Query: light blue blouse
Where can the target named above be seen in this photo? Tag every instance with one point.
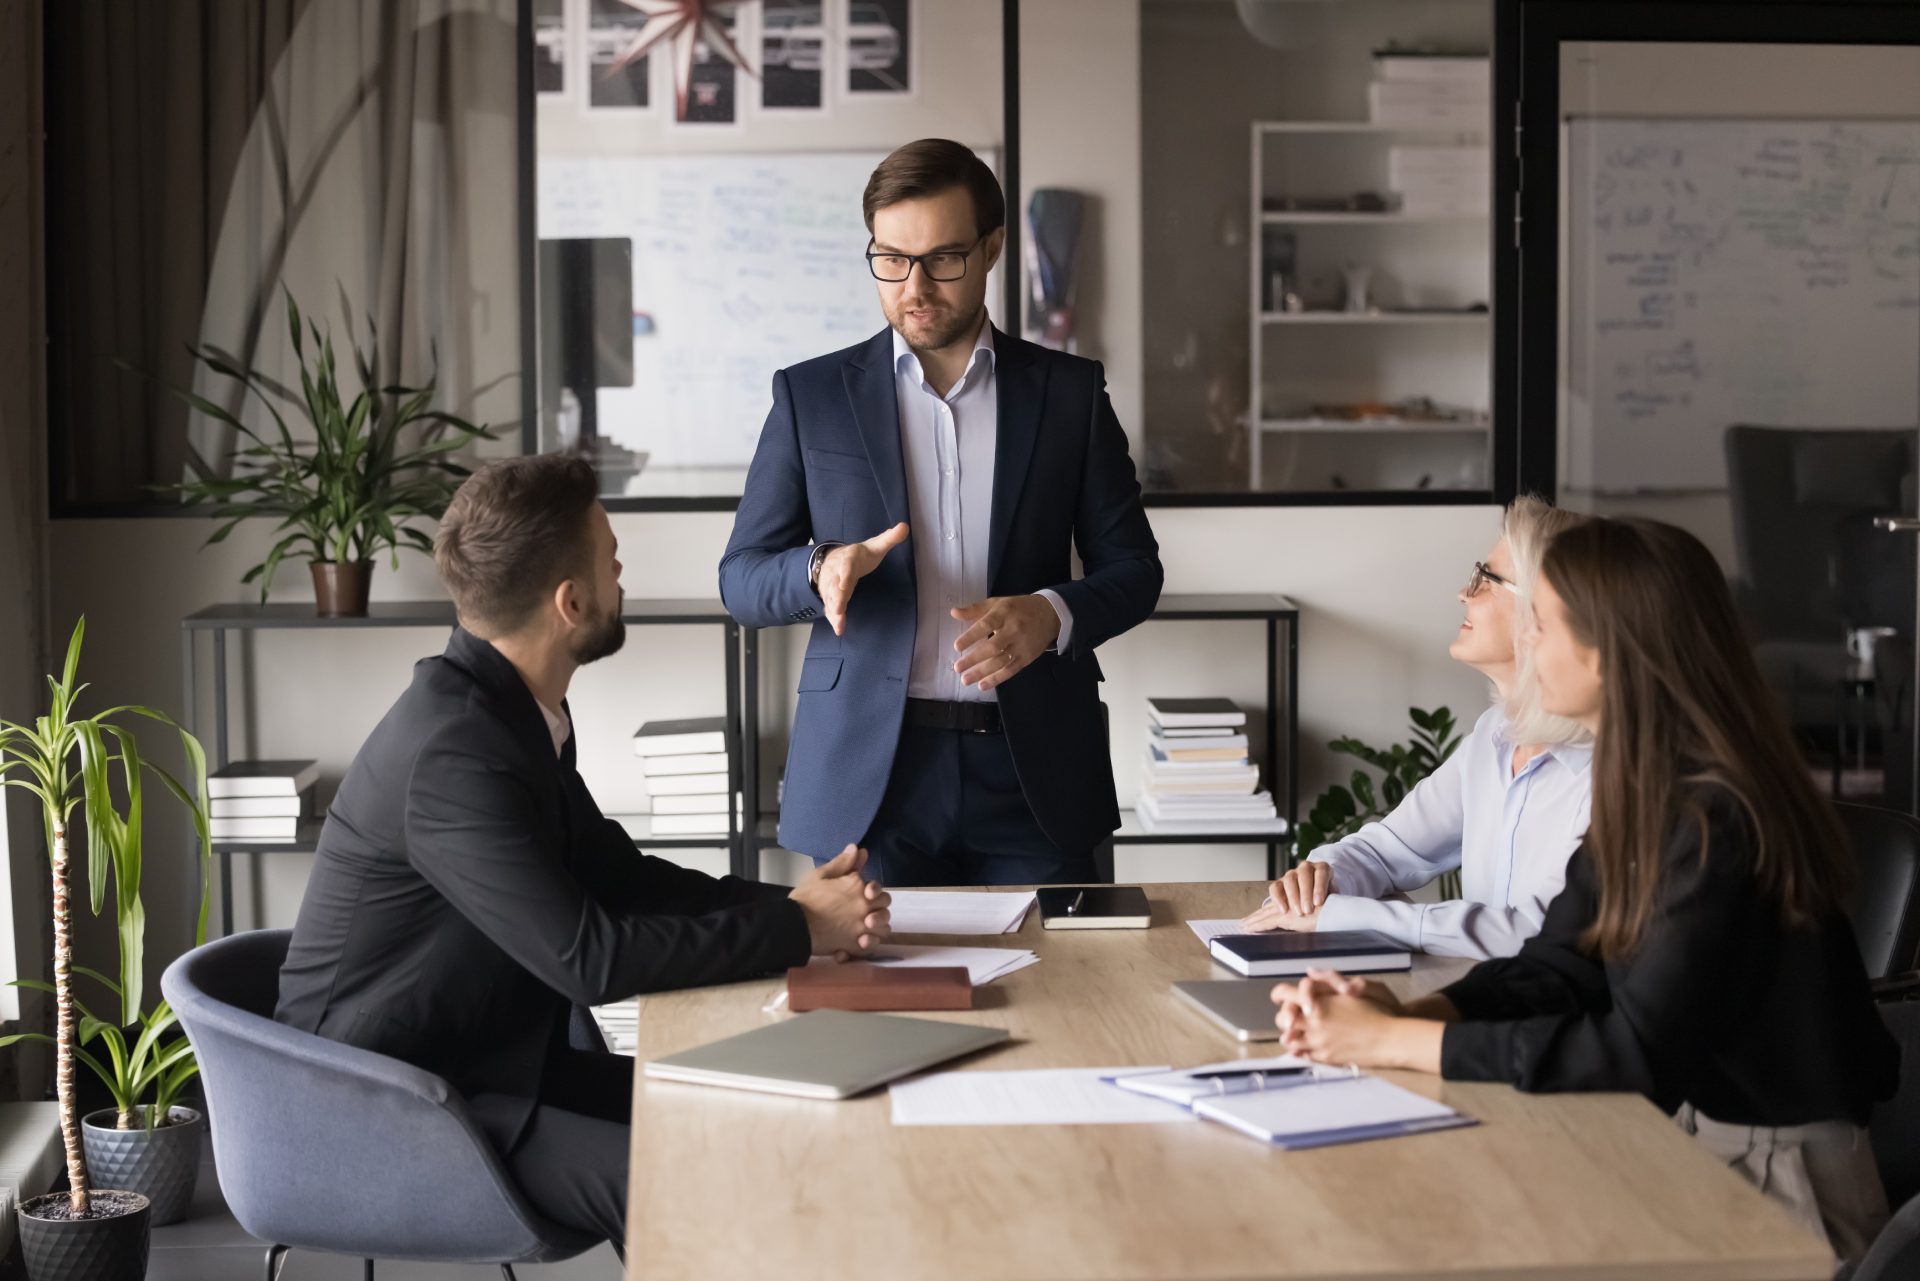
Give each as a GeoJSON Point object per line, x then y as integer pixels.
{"type": "Point", "coordinates": [1509, 836]}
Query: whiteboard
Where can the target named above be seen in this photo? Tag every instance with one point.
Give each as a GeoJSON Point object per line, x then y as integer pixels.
{"type": "Point", "coordinates": [742, 264]}
{"type": "Point", "coordinates": [1733, 271]}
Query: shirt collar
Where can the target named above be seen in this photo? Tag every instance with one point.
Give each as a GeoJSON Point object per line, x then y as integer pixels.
{"type": "Point", "coordinates": [906, 362]}
{"type": "Point", "coordinates": [1577, 757]}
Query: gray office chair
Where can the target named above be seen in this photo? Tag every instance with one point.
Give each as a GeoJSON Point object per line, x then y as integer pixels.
{"type": "Point", "coordinates": [322, 1146]}
{"type": "Point", "coordinates": [1885, 911]}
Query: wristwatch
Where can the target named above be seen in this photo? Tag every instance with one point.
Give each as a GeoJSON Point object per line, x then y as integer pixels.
{"type": "Point", "coordinates": [814, 562]}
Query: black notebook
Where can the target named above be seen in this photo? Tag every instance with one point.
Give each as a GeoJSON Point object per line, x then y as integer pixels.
{"type": "Point", "coordinates": [1281, 954]}
{"type": "Point", "coordinates": [1093, 907]}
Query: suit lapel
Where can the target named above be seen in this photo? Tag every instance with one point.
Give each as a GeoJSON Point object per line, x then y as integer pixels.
{"type": "Point", "coordinates": [869, 380]}
{"type": "Point", "coordinates": [1020, 382]}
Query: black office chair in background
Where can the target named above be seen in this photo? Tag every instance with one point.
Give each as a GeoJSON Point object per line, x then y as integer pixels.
{"type": "Point", "coordinates": [1895, 1132]}
{"type": "Point", "coordinates": [1885, 911]}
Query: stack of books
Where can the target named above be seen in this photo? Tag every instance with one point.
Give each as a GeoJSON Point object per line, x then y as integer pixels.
{"type": "Point", "coordinates": [263, 802]}
{"type": "Point", "coordinates": [686, 766]}
{"type": "Point", "coordinates": [1426, 91]}
{"type": "Point", "coordinates": [1197, 776]}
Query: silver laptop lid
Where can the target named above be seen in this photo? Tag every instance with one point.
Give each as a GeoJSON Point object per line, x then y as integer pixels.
{"type": "Point", "coordinates": [1242, 1007]}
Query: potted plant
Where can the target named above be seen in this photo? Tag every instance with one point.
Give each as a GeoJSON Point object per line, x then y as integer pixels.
{"type": "Point", "coordinates": [84, 1234]}
{"type": "Point", "coordinates": [1340, 811]}
{"type": "Point", "coordinates": [370, 466]}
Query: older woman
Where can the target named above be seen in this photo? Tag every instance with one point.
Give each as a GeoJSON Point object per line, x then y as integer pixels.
{"type": "Point", "coordinates": [1507, 808]}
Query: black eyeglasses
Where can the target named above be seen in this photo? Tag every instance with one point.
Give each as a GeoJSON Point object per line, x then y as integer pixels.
{"type": "Point", "coordinates": [942, 265]}
{"type": "Point", "coordinates": [1482, 576]}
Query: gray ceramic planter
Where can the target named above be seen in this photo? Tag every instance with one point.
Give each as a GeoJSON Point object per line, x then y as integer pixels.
{"type": "Point", "coordinates": [161, 1164]}
{"type": "Point", "coordinates": [112, 1247]}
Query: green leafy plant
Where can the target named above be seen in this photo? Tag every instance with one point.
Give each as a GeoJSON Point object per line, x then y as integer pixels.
{"type": "Point", "coordinates": [65, 762]}
{"type": "Point", "coordinates": [372, 464]}
{"type": "Point", "coordinates": [1340, 811]}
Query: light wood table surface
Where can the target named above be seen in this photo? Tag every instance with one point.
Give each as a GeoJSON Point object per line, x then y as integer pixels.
{"type": "Point", "coordinates": [727, 1183]}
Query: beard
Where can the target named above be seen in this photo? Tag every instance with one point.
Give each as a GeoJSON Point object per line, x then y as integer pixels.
{"type": "Point", "coordinates": [602, 640]}
{"type": "Point", "coordinates": [944, 330]}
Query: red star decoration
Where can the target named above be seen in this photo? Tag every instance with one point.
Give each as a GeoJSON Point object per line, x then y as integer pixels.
{"type": "Point", "coordinates": [682, 22]}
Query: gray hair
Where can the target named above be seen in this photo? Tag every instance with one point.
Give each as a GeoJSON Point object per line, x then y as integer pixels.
{"type": "Point", "coordinates": [1528, 526]}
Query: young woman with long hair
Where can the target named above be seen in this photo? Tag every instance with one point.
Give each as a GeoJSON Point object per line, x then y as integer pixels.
{"type": "Point", "coordinates": [1700, 953]}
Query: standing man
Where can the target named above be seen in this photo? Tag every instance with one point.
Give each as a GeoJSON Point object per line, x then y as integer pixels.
{"type": "Point", "coordinates": [915, 500]}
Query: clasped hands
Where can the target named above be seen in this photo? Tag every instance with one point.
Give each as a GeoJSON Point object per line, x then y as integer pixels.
{"type": "Point", "coordinates": [1331, 1017]}
{"type": "Point", "coordinates": [1007, 632]}
{"type": "Point", "coordinates": [847, 916]}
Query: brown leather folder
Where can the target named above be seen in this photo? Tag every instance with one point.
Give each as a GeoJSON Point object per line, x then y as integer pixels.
{"type": "Point", "coordinates": [862, 985]}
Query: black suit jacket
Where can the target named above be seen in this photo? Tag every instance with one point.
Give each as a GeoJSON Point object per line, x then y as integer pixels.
{"type": "Point", "coordinates": [467, 892]}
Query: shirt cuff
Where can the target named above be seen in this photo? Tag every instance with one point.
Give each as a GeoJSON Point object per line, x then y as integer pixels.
{"type": "Point", "coordinates": [1348, 912]}
{"type": "Point", "coordinates": [1065, 616]}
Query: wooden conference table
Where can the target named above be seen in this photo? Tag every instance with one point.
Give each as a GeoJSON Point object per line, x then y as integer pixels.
{"type": "Point", "coordinates": [731, 1184]}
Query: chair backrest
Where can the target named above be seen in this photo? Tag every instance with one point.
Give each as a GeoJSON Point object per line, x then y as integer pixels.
{"type": "Point", "coordinates": [1895, 1125]}
{"type": "Point", "coordinates": [321, 1145]}
{"type": "Point", "coordinates": [1885, 911]}
{"type": "Point", "coordinates": [1791, 491]}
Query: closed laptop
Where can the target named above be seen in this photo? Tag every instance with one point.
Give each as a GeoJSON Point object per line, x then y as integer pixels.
{"type": "Point", "coordinates": [828, 1054]}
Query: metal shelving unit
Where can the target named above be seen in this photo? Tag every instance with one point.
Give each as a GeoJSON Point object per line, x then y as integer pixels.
{"type": "Point", "coordinates": [219, 621]}
{"type": "Point", "coordinates": [1281, 763]}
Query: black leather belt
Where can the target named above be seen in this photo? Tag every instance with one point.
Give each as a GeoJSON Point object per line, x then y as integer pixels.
{"type": "Point", "coordinates": [969, 718]}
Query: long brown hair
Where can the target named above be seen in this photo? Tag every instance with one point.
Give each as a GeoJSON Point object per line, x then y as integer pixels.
{"type": "Point", "coordinates": [1682, 702]}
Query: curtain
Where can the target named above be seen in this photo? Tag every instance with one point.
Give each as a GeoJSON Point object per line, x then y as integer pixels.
{"type": "Point", "coordinates": [377, 185]}
{"type": "Point", "coordinates": [147, 104]}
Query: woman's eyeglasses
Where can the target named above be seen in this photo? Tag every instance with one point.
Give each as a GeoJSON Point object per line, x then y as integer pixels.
{"type": "Point", "coordinates": [1482, 576]}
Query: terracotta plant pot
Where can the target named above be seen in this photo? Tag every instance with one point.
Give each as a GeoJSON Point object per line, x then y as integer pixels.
{"type": "Point", "coordinates": [340, 587]}
{"type": "Point", "coordinates": [109, 1245]}
{"type": "Point", "coordinates": [161, 1164]}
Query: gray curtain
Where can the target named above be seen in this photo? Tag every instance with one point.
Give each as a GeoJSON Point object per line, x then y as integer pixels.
{"type": "Point", "coordinates": [23, 876]}
{"type": "Point", "coordinates": [377, 181]}
{"type": "Point", "coordinates": [147, 104]}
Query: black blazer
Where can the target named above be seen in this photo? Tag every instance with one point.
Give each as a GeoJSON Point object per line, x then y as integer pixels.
{"type": "Point", "coordinates": [829, 467]}
{"type": "Point", "coordinates": [1722, 1006]}
{"type": "Point", "coordinates": [467, 893]}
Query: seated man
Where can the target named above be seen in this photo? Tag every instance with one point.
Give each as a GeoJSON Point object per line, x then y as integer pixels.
{"type": "Point", "coordinates": [467, 892]}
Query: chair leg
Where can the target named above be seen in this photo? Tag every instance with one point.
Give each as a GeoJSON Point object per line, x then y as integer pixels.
{"type": "Point", "coordinates": [276, 1259]}
{"type": "Point", "coordinates": [506, 1270]}
{"type": "Point", "coordinates": [368, 1273]}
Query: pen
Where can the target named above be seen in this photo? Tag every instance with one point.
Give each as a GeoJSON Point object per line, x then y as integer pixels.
{"type": "Point", "coordinates": [1075, 905]}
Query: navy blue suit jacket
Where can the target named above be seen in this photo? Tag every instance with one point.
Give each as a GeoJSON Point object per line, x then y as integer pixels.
{"type": "Point", "coordinates": [829, 468]}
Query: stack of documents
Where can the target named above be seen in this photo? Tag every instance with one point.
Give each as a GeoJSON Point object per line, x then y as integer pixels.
{"type": "Point", "coordinates": [958, 912]}
{"type": "Point", "coordinates": [620, 1024]}
{"type": "Point", "coordinates": [1411, 90]}
{"type": "Point", "coordinates": [1445, 181]}
{"type": "Point", "coordinates": [1294, 1104]}
{"type": "Point", "coordinates": [1197, 776]}
{"type": "Point", "coordinates": [982, 964]}
{"type": "Point", "coordinates": [1047, 1096]}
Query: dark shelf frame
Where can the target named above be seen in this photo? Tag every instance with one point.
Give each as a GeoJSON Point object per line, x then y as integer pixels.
{"type": "Point", "coordinates": [1281, 665]}
{"type": "Point", "coordinates": [218, 621]}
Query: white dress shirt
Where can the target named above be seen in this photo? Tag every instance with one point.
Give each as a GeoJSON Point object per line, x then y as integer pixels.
{"type": "Point", "coordinates": [559, 726]}
{"type": "Point", "coordinates": [1509, 836]}
{"type": "Point", "coordinates": [948, 443]}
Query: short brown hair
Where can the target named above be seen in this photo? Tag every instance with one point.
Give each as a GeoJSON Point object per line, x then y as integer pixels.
{"type": "Point", "coordinates": [515, 530]}
{"type": "Point", "coordinates": [929, 167]}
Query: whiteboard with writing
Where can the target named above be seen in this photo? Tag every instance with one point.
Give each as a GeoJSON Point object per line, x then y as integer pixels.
{"type": "Point", "coordinates": [742, 264]}
{"type": "Point", "coordinates": [1733, 271]}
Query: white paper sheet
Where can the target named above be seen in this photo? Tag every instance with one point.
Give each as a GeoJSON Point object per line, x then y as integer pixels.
{"type": "Point", "coordinates": [951, 912]}
{"type": "Point", "coordinates": [1053, 1096]}
{"type": "Point", "coordinates": [983, 964]}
